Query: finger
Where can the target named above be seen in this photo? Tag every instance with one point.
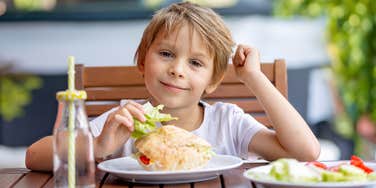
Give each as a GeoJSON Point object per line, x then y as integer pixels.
{"type": "Point", "coordinates": [125, 112]}
{"type": "Point", "coordinates": [112, 122]}
{"type": "Point", "coordinates": [137, 105]}
{"type": "Point", "coordinates": [124, 121]}
{"type": "Point", "coordinates": [239, 56]}
{"type": "Point", "coordinates": [136, 112]}
{"type": "Point", "coordinates": [247, 51]}
{"type": "Point", "coordinates": [240, 52]}
{"type": "Point", "coordinates": [236, 58]}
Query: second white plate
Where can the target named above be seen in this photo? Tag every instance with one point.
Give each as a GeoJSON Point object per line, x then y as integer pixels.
{"type": "Point", "coordinates": [265, 183]}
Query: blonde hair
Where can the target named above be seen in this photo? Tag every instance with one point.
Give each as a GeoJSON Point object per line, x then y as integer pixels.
{"type": "Point", "coordinates": [205, 21]}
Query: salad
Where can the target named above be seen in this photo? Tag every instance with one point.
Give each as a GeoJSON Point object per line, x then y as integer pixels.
{"type": "Point", "coordinates": [292, 171]}
{"type": "Point", "coordinates": [153, 116]}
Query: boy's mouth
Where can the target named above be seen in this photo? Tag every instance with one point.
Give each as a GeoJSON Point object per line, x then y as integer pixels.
{"type": "Point", "coordinates": [172, 86]}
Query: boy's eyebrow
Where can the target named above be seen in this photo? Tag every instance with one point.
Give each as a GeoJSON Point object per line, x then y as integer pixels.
{"type": "Point", "coordinates": [200, 55]}
{"type": "Point", "coordinates": [163, 43]}
{"type": "Point", "coordinates": [195, 54]}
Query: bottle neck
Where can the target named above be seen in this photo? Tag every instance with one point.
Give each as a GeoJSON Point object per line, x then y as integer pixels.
{"type": "Point", "coordinates": [68, 108]}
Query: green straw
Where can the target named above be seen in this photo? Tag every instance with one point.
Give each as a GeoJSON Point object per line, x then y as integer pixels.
{"type": "Point", "coordinates": [71, 144]}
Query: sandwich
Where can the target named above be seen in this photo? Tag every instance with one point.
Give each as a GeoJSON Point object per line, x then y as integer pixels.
{"type": "Point", "coordinates": [168, 148]}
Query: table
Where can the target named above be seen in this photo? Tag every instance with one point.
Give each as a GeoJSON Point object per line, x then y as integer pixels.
{"type": "Point", "coordinates": [21, 177]}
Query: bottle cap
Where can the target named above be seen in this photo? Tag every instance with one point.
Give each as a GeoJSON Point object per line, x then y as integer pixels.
{"type": "Point", "coordinates": [71, 95]}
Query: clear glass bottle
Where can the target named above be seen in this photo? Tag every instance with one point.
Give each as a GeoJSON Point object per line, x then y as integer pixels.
{"type": "Point", "coordinates": [84, 156]}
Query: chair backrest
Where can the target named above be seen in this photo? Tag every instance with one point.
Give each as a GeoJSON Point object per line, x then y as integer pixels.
{"type": "Point", "coordinates": [107, 85]}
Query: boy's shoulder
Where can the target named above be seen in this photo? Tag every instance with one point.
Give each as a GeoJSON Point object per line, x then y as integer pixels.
{"type": "Point", "coordinates": [223, 107]}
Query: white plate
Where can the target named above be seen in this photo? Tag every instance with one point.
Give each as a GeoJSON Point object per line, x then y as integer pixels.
{"type": "Point", "coordinates": [127, 168]}
{"type": "Point", "coordinates": [274, 183]}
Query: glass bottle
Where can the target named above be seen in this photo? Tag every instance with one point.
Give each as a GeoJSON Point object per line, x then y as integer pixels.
{"type": "Point", "coordinates": [84, 172]}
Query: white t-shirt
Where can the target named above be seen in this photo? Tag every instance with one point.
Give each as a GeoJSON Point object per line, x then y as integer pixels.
{"type": "Point", "coordinates": [225, 126]}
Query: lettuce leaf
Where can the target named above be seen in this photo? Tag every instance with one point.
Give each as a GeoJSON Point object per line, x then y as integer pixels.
{"type": "Point", "coordinates": [153, 116]}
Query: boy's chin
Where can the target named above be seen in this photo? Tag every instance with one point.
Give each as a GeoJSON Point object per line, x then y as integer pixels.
{"type": "Point", "coordinates": [168, 102]}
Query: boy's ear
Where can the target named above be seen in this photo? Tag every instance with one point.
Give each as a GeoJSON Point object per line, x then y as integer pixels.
{"type": "Point", "coordinates": [141, 67]}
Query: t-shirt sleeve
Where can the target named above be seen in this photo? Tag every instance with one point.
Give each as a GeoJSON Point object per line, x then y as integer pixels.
{"type": "Point", "coordinates": [96, 125]}
{"type": "Point", "coordinates": [246, 128]}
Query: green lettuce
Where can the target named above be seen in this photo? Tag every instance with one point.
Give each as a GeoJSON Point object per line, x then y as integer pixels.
{"type": "Point", "coordinates": [290, 170]}
{"type": "Point", "coordinates": [153, 116]}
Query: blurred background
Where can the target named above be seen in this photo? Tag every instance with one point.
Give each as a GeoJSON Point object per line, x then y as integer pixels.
{"type": "Point", "coordinates": [328, 46]}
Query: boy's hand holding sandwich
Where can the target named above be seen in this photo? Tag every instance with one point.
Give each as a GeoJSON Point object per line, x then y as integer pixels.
{"type": "Point", "coordinates": [117, 129]}
{"type": "Point", "coordinates": [164, 148]}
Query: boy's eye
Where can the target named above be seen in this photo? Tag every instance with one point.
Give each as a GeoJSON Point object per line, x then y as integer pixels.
{"type": "Point", "coordinates": [166, 54]}
{"type": "Point", "coordinates": [196, 63]}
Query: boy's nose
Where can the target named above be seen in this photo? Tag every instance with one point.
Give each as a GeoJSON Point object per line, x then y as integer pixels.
{"type": "Point", "coordinates": [176, 70]}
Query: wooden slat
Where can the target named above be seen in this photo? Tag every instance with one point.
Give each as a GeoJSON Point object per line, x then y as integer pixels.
{"type": "Point", "coordinates": [231, 91]}
{"type": "Point", "coordinates": [114, 182]}
{"type": "Point", "coordinates": [98, 177]}
{"type": "Point", "coordinates": [34, 179]}
{"type": "Point", "coordinates": [145, 186]}
{"type": "Point", "coordinates": [9, 180]}
{"type": "Point", "coordinates": [117, 93]}
{"type": "Point", "coordinates": [264, 120]}
{"type": "Point", "coordinates": [234, 178]}
{"type": "Point", "coordinates": [281, 76]}
{"type": "Point", "coordinates": [249, 165]}
{"type": "Point", "coordinates": [230, 76]}
{"type": "Point", "coordinates": [14, 171]}
{"type": "Point", "coordinates": [112, 76]}
{"type": "Point", "coordinates": [96, 110]}
{"type": "Point", "coordinates": [50, 183]}
{"type": "Point", "coordinates": [214, 183]}
{"type": "Point", "coordinates": [183, 185]}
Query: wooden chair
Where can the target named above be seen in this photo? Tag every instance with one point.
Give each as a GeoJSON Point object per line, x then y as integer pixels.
{"type": "Point", "coordinates": [107, 85]}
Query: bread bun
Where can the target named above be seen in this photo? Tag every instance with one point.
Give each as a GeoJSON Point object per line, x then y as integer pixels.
{"type": "Point", "coordinates": [170, 148]}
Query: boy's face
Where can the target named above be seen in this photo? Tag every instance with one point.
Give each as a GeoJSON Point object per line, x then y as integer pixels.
{"type": "Point", "coordinates": [178, 68]}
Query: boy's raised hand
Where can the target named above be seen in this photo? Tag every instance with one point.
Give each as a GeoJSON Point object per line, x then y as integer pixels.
{"type": "Point", "coordinates": [117, 129]}
{"type": "Point", "coordinates": [246, 61]}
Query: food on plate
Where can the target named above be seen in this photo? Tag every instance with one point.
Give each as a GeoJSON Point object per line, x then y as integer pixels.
{"type": "Point", "coordinates": [168, 148]}
{"type": "Point", "coordinates": [172, 148]}
{"type": "Point", "coordinates": [290, 170]}
{"type": "Point", "coordinates": [153, 116]}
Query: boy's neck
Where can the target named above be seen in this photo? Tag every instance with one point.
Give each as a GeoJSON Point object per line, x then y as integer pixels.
{"type": "Point", "coordinates": [189, 118]}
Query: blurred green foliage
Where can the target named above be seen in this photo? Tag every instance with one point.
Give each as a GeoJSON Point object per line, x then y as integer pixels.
{"type": "Point", "coordinates": [34, 5]}
{"type": "Point", "coordinates": [15, 93]}
{"type": "Point", "coordinates": [351, 38]}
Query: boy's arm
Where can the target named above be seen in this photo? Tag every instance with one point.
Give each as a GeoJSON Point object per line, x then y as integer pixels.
{"type": "Point", "coordinates": [39, 155]}
{"type": "Point", "coordinates": [291, 136]}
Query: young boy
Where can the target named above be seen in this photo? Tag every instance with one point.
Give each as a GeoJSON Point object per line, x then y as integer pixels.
{"type": "Point", "coordinates": [183, 55]}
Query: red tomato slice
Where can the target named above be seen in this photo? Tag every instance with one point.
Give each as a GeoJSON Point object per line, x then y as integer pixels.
{"type": "Point", "coordinates": [144, 159]}
{"type": "Point", "coordinates": [358, 162]}
{"type": "Point", "coordinates": [334, 168]}
{"type": "Point", "coordinates": [318, 164]}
